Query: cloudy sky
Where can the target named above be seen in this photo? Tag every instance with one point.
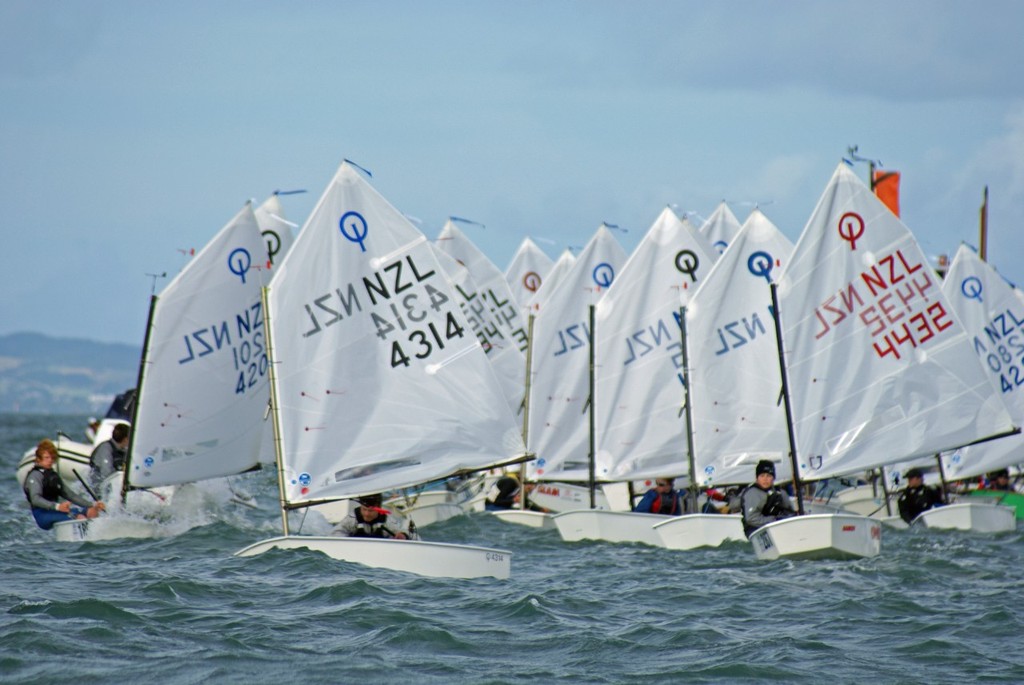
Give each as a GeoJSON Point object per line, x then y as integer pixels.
{"type": "Point", "coordinates": [131, 132]}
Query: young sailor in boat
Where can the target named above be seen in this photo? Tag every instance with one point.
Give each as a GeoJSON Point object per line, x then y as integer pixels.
{"type": "Point", "coordinates": [369, 520]}
{"type": "Point", "coordinates": [663, 498]}
{"type": "Point", "coordinates": [110, 455]}
{"type": "Point", "coordinates": [917, 497]}
{"type": "Point", "coordinates": [999, 480]}
{"type": "Point", "coordinates": [506, 493]}
{"type": "Point", "coordinates": [44, 490]}
{"type": "Point", "coordinates": [762, 502]}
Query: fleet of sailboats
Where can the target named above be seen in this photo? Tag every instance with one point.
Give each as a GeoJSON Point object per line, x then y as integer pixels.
{"type": "Point", "coordinates": [359, 357]}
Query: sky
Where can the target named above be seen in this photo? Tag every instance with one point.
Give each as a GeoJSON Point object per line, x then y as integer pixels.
{"type": "Point", "coordinates": [131, 132]}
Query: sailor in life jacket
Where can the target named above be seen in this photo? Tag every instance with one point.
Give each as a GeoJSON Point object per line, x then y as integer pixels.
{"type": "Point", "coordinates": [44, 489]}
{"type": "Point", "coordinates": [663, 498]}
{"type": "Point", "coordinates": [369, 520]}
{"type": "Point", "coordinates": [917, 497]}
{"type": "Point", "coordinates": [763, 502]}
{"type": "Point", "coordinates": [110, 455]}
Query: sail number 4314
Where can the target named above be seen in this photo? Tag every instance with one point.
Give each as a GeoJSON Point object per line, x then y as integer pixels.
{"type": "Point", "coordinates": [424, 342]}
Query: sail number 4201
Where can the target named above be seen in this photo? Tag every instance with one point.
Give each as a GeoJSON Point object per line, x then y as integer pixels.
{"type": "Point", "coordinates": [421, 343]}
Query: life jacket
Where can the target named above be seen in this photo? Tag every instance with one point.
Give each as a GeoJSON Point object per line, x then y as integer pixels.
{"type": "Point", "coordinates": [659, 505]}
{"type": "Point", "coordinates": [117, 455]}
{"type": "Point", "coordinates": [51, 483]}
{"type": "Point", "coordinates": [120, 457]}
{"type": "Point", "coordinates": [372, 529]}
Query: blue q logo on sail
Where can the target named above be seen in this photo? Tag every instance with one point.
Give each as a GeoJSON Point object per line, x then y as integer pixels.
{"type": "Point", "coordinates": [239, 262]}
{"type": "Point", "coordinates": [353, 227]}
{"type": "Point", "coordinates": [603, 275]}
{"type": "Point", "coordinates": [760, 264]}
{"type": "Point", "coordinates": [971, 288]}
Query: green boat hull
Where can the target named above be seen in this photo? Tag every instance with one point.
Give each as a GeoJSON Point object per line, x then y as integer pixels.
{"type": "Point", "coordinates": [1010, 499]}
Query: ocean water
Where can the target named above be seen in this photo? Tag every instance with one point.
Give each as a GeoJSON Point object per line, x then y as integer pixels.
{"type": "Point", "coordinates": [934, 607]}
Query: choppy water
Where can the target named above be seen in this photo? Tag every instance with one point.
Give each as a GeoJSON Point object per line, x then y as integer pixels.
{"type": "Point", "coordinates": [933, 608]}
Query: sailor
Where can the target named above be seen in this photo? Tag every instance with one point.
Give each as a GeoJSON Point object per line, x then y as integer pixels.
{"type": "Point", "coordinates": [44, 490]}
{"type": "Point", "coordinates": [762, 502]}
{"type": "Point", "coordinates": [369, 520]}
{"type": "Point", "coordinates": [503, 494]}
{"type": "Point", "coordinates": [917, 497]}
{"type": "Point", "coordinates": [1000, 480]}
{"type": "Point", "coordinates": [506, 493]}
{"type": "Point", "coordinates": [663, 498]}
{"type": "Point", "coordinates": [110, 455]}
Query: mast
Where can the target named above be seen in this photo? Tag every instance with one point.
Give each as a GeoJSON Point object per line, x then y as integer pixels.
{"type": "Point", "coordinates": [686, 408]}
{"type": "Point", "coordinates": [983, 228]}
{"type": "Point", "coordinates": [942, 478]}
{"type": "Point", "coordinates": [797, 486]}
{"type": "Point", "coordinates": [885, 491]}
{"type": "Point", "coordinates": [125, 487]}
{"type": "Point", "coordinates": [526, 406]}
{"type": "Point", "coordinates": [274, 414]}
{"type": "Point", "coordinates": [590, 460]}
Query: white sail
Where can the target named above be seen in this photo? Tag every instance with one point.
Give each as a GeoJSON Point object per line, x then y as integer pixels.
{"type": "Point", "coordinates": [736, 408]}
{"type": "Point", "coordinates": [721, 227]}
{"type": "Point", "coordinates": [527, 271]}
{"type": "Point", "coordinates": [558, 426]}
{"type": "Point", "coordinates": [490, 308]}
{"type": "Point", "coordinates": [276, 229]}
{"type": "Point", "coordinates": [879, 369]}
{"type": "Point", "coordinates": [639, 392]}
{"type": "Point", "coordinates": [508, 363]}
{"type": "Point", "coordinates": [993, 315]}
{"type": "Point", "coordinates": [204, 390]}
{"type": "Point", "coordinates": [550, 285]}
{"type": "Point", "coordinates": [379, 381]}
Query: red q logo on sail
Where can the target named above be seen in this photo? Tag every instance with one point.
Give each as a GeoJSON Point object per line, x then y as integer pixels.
{"type": "Point", "coordinates": [531, 281]}
{"type": "Point", "coordinates": [851, 227]}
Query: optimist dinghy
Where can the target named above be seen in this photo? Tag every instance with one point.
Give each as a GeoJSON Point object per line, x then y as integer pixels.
{"type": "Point", "coordinates": [377, 382]}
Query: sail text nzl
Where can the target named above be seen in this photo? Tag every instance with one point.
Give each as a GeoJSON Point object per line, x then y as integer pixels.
{"type": "Point", "coordinates": [646, 340]}
{"type": "Point", "coordinates": [206, 341]}
{"type": "Point", "coordinates": [741, 332]}
{"type": "Point", "coordinates": [327, 308]}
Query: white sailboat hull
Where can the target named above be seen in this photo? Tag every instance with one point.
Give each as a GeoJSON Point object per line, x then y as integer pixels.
{"type": "Point", "coordinates": [566, 497]}
{"type": "Point", "coordinates": [977, 517]}
{"type": "Point", "coordinates": [829, 536]}
{"type": "Point", "coordinates": [893, 522]}
{"type": "Point", "coordinates": [433, 559]}
{"type": "Point", "coordinates": [700, 530]}
{"type": "Point", "coordinates": [532, 519]}
{"type": "Point", "coordinates": [420, 499]}
{"type": "Point", "coordinates": [609, 526]}
{"type": "Point", "coordinates": [104, 528]}
{"type": "Point", "coordinates": [426, 514]}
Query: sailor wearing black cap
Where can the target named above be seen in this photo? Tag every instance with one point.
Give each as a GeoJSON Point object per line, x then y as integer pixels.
{"type": "Point", "coordinates": [761, 501]}
{"type": "Point", "coordinates": [917, 496]}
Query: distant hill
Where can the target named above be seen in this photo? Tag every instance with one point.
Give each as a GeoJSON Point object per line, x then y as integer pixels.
{"type": "Point", "coordinates": [40, 374]}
